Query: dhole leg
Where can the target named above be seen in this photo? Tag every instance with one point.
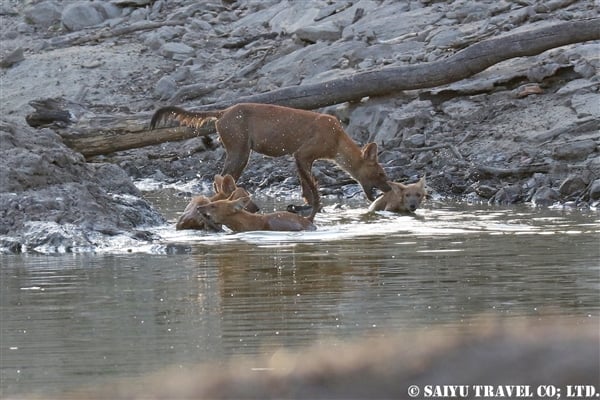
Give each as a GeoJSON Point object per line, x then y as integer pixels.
{"type": "Point", "coordinates": [235, 163]}
{"type": "Point", "coordinates": [310, 191]}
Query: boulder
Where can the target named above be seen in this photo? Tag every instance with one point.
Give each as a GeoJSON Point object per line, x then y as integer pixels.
{"type": "Point", "coordinates": [80, 15]}
{"type": "Point", "coordinates": [52, 199]}
{"type": "Point", "coordinates": [44, 14]}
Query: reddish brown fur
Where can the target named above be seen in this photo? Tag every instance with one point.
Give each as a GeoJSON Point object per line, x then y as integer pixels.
{"type": "Point", "coordinates": [225, 187]}
{"type": "Point", "coordinates": [401, 198]}
{"type": "Point", "coordinates": [232, 214]}
{"type": "Point", "coordinates": [276, 131]}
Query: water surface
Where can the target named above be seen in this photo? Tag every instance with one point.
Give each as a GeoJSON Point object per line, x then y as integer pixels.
{"type": "Point", "coordinates": [75, 319]}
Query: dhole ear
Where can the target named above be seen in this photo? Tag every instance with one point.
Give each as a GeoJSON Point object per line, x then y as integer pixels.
{"type": "Point", "coordinates": [228, 184]}
{"type": "Point", "coordinates": [398, 187]}
{"type": "Point", "coordinates": [369, 151]}
{"type": "Point", "coordinates": [240, 204]}
{"type": "Point", "coordinates": [218, 183]}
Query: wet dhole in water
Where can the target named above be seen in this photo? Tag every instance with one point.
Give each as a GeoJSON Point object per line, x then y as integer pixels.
{"type": "Point", "coordinates": [75, 319]}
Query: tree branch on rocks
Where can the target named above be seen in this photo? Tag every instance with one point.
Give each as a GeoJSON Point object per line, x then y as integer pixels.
{"type": "Point", "coordinates": [450, 146]}
{"type": "Point", "coordinates": [78, 38]}
{"type": "Point", "coordinates": [525, 170]}
{"type": "Point", "coordinates": [104, 134]}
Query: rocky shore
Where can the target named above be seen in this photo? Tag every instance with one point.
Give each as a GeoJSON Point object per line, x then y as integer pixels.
{"type": "Point", "coordinates": [524, 130]}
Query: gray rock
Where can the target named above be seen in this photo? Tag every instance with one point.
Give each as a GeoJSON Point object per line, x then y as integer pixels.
{"type": "Point", "coordinates": [383, 23]}
{"type": "Point", "coordinates": [181, 74]}
{"type": "Point", "coordinates": [125, 3]}
{"type": "Point", "coordinates": [595, 190]}
{"type": "Point", "coordinates": [296, 16]}
{"type": "Point", "coordinates": [51, 197]}
{"type": "Point", "coordinates": [539, 72]}
{"type": "Point", "coordinates": [545, 196]}
{"type": "Point", "coordinates": [416, 140]}
{"type": "Point", "coordinates": [79, 15]}
{"type": "Point", "coordinates": [507, 195]}
{"type": "Point", "coordinates": [585, 68]}
{"type": "Point", "coordinates": [176, 50]}
{"type": "Point", "coordinates": [461, 108]}
{"type": "Point", "coordinates": [536, 181]}
{"type": "Point", "coordinates": [327, 31]}
{"type": "Point", "coordinates": [578, 85]}
{"type": "Point", "coordinates": [153, 41]}
{"type": "Point", "coordinates": [586, 104]}
{"type": "Point", "coordinates": [309, 61]}
{"type": "Point", "coordinates": [165, 87]}
{"type": "Point", "coordinates": [576, 150]}
{"type": "Point", "coordinates": [139, 14]}
{"type": "Point", "coordinates": [485, 191]}
{"type": "Point", "coordinates": [572, 184]}
{"type": "Point", "coordinates": [11, 57]}
{"type": "Point", "coordinates": [107, 9]}
{"type": "Point", "coordinates": [44, 14]}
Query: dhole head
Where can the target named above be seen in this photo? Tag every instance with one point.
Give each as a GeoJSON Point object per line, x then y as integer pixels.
{"type": "Point", "coordinates": [371, 175]}
{"type": "Point", "coordinates": [190, 218]}
{"type": "Point", "coordinates": [401, 197]}
{"type": "Point", "coordinates": [225, 188]}
{"type": "Point", "coordinates": [218, 211]}
{"type": "Point", "coordinates": [408, 197]}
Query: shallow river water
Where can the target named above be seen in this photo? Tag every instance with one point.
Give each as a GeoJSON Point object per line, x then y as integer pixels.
{"type": "Point", "coordinates": [76, 319]}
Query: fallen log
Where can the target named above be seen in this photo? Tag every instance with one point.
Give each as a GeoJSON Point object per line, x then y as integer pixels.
{"type": "Point", "coordinates": [103, 134]}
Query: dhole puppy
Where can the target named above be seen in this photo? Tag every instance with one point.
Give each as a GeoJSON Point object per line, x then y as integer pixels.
{"type": "Point", "coordinates": [401, 198]}
{"type": "Point", "coordinates": [232, 213]}
{"type": "Point", "coordinates": [225, 187]}
{"type": "Point", "coordinates": [276, 131]}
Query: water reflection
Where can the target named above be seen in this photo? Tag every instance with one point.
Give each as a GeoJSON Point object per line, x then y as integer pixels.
{"type": "Point", "coordinates": [68, 320]}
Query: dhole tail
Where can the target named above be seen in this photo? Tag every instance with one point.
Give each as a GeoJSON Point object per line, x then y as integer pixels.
{"type": "Point", "coordinates": [194, 119]}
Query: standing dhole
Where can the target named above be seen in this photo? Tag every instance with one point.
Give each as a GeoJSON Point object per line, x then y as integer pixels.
{"type": "Point", "coordinates": [225, 187]}
{"type": "Point", "coordinates": [276, 131]}
{"type": "Point", "coordinates": [401, 197]}
{"type": "Point", "coordinates": [232, 214]}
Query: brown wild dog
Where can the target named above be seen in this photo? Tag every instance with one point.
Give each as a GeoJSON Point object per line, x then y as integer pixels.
{"type": "Point", "coordinates": [401, 198]}
{"type": "Point", "coordinates": [276, 131]}
{"type": "Point", "coordinates": [225, 187]}
{"type": "Point", "coordinates": [232, 214]}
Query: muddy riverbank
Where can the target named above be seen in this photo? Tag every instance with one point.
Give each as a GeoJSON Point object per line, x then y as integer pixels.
{"type": "Point", "coordinates": [525, 130]}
